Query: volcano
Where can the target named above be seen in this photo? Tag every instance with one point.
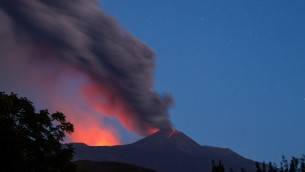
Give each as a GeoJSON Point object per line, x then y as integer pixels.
{"type": "Point", "coordinates": [165, 150]}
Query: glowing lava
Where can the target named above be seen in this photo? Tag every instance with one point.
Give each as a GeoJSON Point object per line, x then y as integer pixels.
{"type": "Point", "coordinates": [172, 133]}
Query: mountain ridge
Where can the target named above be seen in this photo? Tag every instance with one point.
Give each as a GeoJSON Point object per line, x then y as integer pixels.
{"type": "Point", "coordinates": [165, 150]}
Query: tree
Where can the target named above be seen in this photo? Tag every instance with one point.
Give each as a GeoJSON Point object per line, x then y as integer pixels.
{"type": "Point", "coordinates": [30, 140]}
{"type": "Point", "coordinates": [302, 163]}
{"type": "Point", "coordinates": [295, 165]}
{"type": "Point", "coordinates": [217, 168]}
{"type": "Point", "coordinates": [272, 167]}
{"type": "Point", "coordinates": [258, 168]}
{"type": "Point", "coordinates": [284, 165]}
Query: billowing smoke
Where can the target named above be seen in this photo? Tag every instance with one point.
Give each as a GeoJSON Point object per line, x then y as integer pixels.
{"type": "Point", "coordinates": [45, 43]}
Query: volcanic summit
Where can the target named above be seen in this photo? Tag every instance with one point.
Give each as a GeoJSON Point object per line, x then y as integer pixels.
{"type": "Point", "coordinates": [165, 150]}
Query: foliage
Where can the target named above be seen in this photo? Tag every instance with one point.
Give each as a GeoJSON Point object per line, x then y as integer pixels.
{"type": "Point", "coordinates": [30, 140]}
{"type": "Point", "coordinates": [217, 168]}
{"type": "Point", "coordinates": [295, 165]}
{"type": "Point", "coordinates": [220, 167]}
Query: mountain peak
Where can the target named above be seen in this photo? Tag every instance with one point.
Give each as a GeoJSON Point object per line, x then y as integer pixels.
{"type": "Point", "coordinates": [165, 133]}
{"type": "Point", "coordinates": [168, 133]}
{"type": "Point", "coordinates": [165, 150]}
{"type": "Point", "coordinates": [169, 138]}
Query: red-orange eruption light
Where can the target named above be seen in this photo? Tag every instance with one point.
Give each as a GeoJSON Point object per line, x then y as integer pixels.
{"type": "Point", "coordinates": [48, 43]}
{"type": "Point", "coordinates": [107, 101]}
{"type": "Point", "coordinates": [89, 126]}
{"type": "Point", "coordinates": [94, 135]}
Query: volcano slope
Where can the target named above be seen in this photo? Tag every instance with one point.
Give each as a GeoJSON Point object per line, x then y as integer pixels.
{"type": "Point", "coordinates": [165, 150]}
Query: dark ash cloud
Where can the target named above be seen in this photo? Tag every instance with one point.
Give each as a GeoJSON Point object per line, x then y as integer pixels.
{"type": "Point", "coordinates": [83, 37]}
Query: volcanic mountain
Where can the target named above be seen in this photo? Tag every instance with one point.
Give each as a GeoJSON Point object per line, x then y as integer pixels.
{"type": "Point", "coordinates": [165, 150]}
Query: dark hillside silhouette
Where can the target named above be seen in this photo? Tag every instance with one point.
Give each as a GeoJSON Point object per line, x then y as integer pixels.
{"type": "Point", "coordinates": [92, 166]}
{"type": "Point", "coordinates": [165, 150]}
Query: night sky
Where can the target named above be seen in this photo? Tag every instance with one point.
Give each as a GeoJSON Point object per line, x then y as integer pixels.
{"type": "Point", "coordinates": [235, 68]}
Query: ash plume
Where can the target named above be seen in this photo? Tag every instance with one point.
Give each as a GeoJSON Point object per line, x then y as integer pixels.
{"type": "Point", "coordinates": [77, 35]}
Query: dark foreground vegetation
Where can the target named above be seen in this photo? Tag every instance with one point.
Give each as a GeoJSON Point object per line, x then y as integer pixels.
{"type": "Point", "coordinates": [30, 140]}
{"type": "Point", "coordinates": [294, 165]}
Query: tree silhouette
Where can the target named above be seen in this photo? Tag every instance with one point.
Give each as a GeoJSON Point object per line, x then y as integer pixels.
{"type": "Point", "coordinates": [217, 168]}
{"type": "Point", "coordinates": [30, 140]}
{"type": "Point", "coordinates": [295, 165]}
{"type": "Point", "coordinates": [258, 168]}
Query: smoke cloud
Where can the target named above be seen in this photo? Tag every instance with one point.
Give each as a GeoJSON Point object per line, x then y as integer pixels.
{"type": "Point", "coordinates": [46, 42]}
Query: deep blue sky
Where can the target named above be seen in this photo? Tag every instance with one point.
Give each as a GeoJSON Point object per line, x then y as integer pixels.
{"type": "Point", "coordinates": [235, 68]}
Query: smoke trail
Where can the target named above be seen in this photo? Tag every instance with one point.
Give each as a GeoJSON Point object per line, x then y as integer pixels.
{"type": "Point", "coordinates": [60, 36]}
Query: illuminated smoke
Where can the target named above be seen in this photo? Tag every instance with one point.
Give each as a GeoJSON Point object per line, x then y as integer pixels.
{"type": "Point", "coordinates": [48, 44]}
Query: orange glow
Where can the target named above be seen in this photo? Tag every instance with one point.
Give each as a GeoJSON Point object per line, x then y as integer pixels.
{"type": "Point", "coordinates": [88, 105]}
{"type": "Point", "coordinates": [68, 90]}
{"type": "Point", "coordinates": [153, 130]}
{"type": "Point", "coordinates": [108, 102]}
{"type": "Point", "coordinates": [89, 127]}
{"type": "Point", "coordinates": [89, 131]}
